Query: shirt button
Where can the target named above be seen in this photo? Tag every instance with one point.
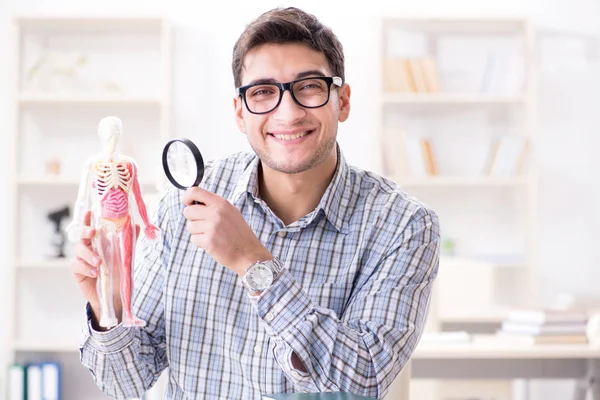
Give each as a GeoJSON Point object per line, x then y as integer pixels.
{"type": "Point", "coordinates": [257, 349]}
{"type": "Point", "coordinates": [281, 234]}
{"type": "Point", "coordinates": [269, 317]}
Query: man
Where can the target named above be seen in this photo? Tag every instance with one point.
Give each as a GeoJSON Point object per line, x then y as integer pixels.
{"type": "Point", "coordinates": [298, 273]}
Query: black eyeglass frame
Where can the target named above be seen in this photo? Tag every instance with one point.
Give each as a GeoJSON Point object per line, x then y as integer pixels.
{"type": "Point", "coordinates": [336, 80]}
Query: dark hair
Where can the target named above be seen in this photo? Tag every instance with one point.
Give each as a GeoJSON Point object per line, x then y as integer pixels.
{"type": "Point", "coordinates": [288, 25]}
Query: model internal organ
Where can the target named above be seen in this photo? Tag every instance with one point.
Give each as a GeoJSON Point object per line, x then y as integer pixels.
{"type": "Point", "coordinates": [110, 188]}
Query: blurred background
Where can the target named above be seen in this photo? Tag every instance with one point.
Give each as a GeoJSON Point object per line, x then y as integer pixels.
{"type": "Point", "coordinates": [486, 110]}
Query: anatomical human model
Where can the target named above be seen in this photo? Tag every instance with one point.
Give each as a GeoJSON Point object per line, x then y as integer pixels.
{"type": "Point", "coordinates": [110, 188]}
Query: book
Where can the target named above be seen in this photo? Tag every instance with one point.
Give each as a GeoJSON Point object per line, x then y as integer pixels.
{"type": "Point", "coordinates": [547, 316]}
{"type": "Point", "coordinates": [418, 75]}
{"type": "Point", "coordinates": [432, 78]}
{"type": "Point", "coordinates": [316, 396]}
{"type": "Point", "coordinates": [17, 382]}
{"type": "Point", "coordinates": [507, 156]}
{"type": "Point", "coordinates": [51, 379]}
{"type": "Point", "coordinates": [543, 329]}
{"type": "Point", "coordinates": [428, 157]}
{"type": "Point", "coordinates": [34, 382]}
{"type": "Point", "coordinates": [394, 153]}
{"type": "Point", "coordinates": [547, 339]}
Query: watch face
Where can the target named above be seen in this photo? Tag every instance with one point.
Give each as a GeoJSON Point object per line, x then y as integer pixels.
{"type": "Point", "coordinates": [260, 277]}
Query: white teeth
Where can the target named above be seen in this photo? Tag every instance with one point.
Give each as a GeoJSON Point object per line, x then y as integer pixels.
{"type": "Point", "coordinates": [291, 137]}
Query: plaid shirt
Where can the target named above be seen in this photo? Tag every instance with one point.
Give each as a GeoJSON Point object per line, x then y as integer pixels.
{"type": "Point", "coordinates": [351, 302]}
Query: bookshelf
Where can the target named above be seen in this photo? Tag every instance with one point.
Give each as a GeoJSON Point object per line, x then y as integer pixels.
{"type": "Point", "coordinates": [457, 105]}
{"type": "Point", "coordinates": [70, 72]}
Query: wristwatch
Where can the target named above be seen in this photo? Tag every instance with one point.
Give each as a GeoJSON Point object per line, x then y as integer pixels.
{"type": "Point", "coordinates": [261, 275]}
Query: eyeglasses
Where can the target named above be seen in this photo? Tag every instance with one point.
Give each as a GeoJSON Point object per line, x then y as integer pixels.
{"type": "Point", "coordinates": [262, 98]}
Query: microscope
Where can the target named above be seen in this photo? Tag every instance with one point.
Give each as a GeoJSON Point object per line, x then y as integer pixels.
{"type": "Point", "coordinates": [58, 236]}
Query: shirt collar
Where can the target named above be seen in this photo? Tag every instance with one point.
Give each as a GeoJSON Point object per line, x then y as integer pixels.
{"type": "Point", "coordinates": [247, 183]}
{"type": "Point", "coordinates": [333, 203]}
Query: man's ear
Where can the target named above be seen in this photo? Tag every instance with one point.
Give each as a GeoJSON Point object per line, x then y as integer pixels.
{"type": "Point", "coordinates": [344, 101]}
{"type": "Point", "coordinates": [238, 112]}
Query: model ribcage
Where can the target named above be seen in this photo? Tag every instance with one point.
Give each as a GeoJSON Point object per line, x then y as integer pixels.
{"type": "Point", "coordinates": [113, 180]}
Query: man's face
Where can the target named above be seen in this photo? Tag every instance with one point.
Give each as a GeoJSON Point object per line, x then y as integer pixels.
{"type": "Point", "coordinates": [291, 138]}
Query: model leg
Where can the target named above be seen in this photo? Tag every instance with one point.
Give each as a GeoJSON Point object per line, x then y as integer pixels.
{"type": "Point", "coordinates": [126, 235]}
{"type": "Point", "coordinates": [102, 244]}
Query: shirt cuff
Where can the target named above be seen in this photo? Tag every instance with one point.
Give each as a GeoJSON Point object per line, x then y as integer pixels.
{"type": "Point", "coordinates": [283, 305]}
{"type": "Point", "coordinates": [111, 341]}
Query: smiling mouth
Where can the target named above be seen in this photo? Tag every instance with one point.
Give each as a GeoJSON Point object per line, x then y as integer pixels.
{"type": "Point", "coordinates": [293, 136]}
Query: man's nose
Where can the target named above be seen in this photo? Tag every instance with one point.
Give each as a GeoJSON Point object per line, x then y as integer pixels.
{"type": "Point", "coordinates": [288, 109]}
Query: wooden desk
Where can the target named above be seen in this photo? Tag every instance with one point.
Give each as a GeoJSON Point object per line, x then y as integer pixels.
{"type": "Point", "coordinates": [489, 358]}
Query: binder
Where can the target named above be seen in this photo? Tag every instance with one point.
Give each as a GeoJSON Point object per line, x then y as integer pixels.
{"type": "Point", "coordinates": [34, 382]}
{"type": "Point", "coordinates": [16, 382]}
{"type": "Point", "coordinates": [51, 379]}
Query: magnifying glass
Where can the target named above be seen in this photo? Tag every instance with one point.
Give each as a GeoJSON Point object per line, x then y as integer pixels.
{"type": "Point", "coordinates": [183, 163]}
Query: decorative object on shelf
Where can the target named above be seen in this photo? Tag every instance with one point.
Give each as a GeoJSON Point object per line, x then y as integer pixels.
{"type": "Point", "coordinates": [448, 246]}
{"type": "Point", "coordinates": [112, 87]}
{"type": "Point", "coordinates": [57, 72]}
{"type": "Point", "coordinates": [108, 184]}
{"type": "Point", "coordinates": [53, 166]}
{"type": "Point", "coordinates": [593, 329]}
{"type": "Point", "coordinates": [58, 236]}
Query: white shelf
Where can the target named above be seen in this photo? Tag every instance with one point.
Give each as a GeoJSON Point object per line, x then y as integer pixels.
{"type": "Point", "coordinates": [30, 181]}
{"type": "Point", "coordinates": [487, 317]}
{"type": "Point", "coordinates": [30, 99]}
{"type": "Point", "coordinates": [466, 24]}
{"type": "Point", "coordinates": [461, 181]}
{"type": "Point", "coordinates": [46, 347]}
{"type": "Point", "coordinates": [479, 262]}
{"type": "Point", "coordinates": [58, 263]}
{"type": "Point", "coordinates": [450, 98]}
{"type": "Point", "coordinates": [489, 347]}
{"type": "Point", "coordinates": [83, 23]}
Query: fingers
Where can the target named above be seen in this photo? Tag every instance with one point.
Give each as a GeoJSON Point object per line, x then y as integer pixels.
{"type": "Point", "coordinates": [82, 268]}
{"type": "Point", "coordinates": [87, 218]}
{"type": "Point", "coordinates": [196, 227]}
{"type": "Point", "coordinates": [85, 255]}
{"type": "Point", "coordinates": [87, 235]}
{"type": "Point", "coordinates": [195, 213]}
{"type": "Point", "coordinates": [200, 195]}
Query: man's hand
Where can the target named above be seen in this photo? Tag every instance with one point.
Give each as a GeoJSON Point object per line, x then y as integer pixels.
{"type": "Point", "coordinates": [220, 229]}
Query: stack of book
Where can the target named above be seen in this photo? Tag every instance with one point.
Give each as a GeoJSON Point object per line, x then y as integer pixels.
{"type": "Point", "coordinates": [545, 326]}
{"type": "Point", "coordinates": [410, 75]}
{"type": "Point", "coordinates": [408, 156]}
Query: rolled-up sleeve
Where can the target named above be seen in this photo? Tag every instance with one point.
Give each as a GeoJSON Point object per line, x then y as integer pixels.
{"type": "Point", "coordinates": [363, 350]}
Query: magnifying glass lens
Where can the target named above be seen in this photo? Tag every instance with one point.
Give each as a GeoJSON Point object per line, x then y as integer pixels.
{"type": "Point", "coordinates": [183, 163]}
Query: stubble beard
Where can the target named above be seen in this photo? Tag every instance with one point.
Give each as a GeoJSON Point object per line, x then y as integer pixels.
{"type": "Point", "coordinates": [319, 156]}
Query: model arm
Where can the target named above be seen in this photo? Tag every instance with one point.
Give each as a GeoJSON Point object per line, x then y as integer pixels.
{"type": "Point", "coordinates": [149, 229]}
{"type": "Point", "coordinates": [82, 203]}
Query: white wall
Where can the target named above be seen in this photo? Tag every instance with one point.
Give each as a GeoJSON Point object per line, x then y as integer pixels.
{"type": "Point", "coordinates": [203, 44]}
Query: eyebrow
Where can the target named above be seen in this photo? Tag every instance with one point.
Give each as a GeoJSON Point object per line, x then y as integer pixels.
{"type": "Point", "coordinates": [303, 74]}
